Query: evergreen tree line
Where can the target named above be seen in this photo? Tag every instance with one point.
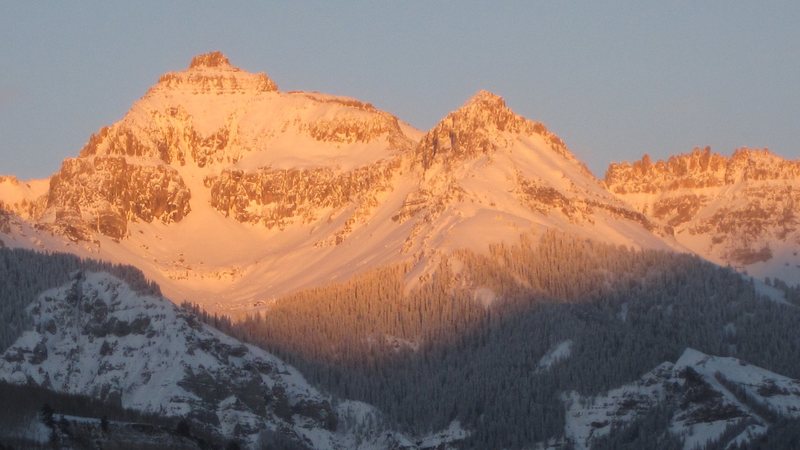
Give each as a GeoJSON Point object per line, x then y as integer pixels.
{"type": "Point", "coordinates": [24, 274]}
{"type": "Point", "coordinates": [466, 342]}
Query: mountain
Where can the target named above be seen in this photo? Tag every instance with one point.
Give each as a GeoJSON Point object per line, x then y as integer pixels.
{"type": "Point", "coordinates": [703, 399]}
{"type": "Point", "coordinates": [738, 210]}
{"type": "Point", "coordinates": [485, 171]}
{"type": "Point", "coordinates": [95, 336]}
{"type": "Point", "coordinates": [287, 190]}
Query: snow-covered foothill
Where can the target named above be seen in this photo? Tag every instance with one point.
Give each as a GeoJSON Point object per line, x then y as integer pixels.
{"type": "Point", "coordinates": [97, 337]}
{"type": "Point", "coordinates": [706, 395]}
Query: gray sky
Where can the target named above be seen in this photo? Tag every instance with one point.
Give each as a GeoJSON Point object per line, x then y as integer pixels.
{"type": "Point", "coordinates": [613, 79]}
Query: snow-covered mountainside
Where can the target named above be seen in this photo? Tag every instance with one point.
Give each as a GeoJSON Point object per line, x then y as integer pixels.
{"type": "Point", "coordinates": [229, 192]}
{"type": "Point", "coordinates": [485, 171]}
{"type": "Point", "coordinates": [707, 398]}
{"type": "Point", "coordinates": [739, 210]}
{"type": "Point", "coordinates": [96, 337]}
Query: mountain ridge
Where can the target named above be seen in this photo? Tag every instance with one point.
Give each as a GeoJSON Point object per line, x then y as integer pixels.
{"type": "Point", "coordinates": [294, 189]}
{"type": "Point", "coordinates": [737, 210]}
{"type": "Point", "coordinates": [309, 188]}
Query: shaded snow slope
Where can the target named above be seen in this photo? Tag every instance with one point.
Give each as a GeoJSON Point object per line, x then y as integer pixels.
{"type": "Point", "coordinates": [706, 395]}
{"type": "Point", "coordinates": [558, 353]}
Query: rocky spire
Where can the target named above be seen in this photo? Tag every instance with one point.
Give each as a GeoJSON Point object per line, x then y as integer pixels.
{"type": "Point", "coordinates": [211, 59]}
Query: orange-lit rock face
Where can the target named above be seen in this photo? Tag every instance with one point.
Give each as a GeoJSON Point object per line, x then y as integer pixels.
{"type": "Point", "coordinates": [104, 193]}
{"type": "Point", "coordinates": [5, 218]}
{"type": "Point", "coordinates": [744, 205]}
{"type": "Point", "coordinates": [699, 169]}
{"type": "Point", "coordinates": [211, 59]}
{"type": "Point", "coordinates": [145, 192]}
{"type": "Point", "coordinates": [277, 198]}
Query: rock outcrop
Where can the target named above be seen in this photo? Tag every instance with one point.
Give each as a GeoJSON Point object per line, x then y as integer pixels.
{"type": "Point", "coordinates": [105, 193]}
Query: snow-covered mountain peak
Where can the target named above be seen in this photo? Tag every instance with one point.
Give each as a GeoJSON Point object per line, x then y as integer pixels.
{"type": "Point", "coordinates": [691, 357]}
{"type": "Point", "coordinates": [207, 137]}
{"type": "Point", "coordinates": [216, 154]}
{"type": "Point", "coordinates": [484, 170]}
{"type": "Point", "coordinates": [212, 73]}
{"type": "Point", "coordinates": [484, 100]}
{"type": "Point", "coordinates": [484, 111]}
{"type": "Point", "coordinates": [97, 336]}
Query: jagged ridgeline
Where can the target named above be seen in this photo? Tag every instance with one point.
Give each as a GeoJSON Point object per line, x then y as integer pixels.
{"type": "Point", "coordinates": [24, 274]}
{"type": "Point", "coordinates": [475, 340]}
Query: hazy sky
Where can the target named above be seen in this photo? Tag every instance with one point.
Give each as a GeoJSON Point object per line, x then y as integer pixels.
{"type": "Point", "coordinates": [613, 79]}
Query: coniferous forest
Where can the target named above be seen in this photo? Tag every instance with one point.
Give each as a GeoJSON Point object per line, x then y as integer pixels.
{"type": "Point", "coordinates": [465, 343]}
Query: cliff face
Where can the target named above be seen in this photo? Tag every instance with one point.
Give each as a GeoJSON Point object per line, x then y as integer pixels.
{"type": "Point", "coordinates": [699, 169]}
{"type": "Point", "coordinates": [480, 127]}
{"type": "Point", "coordinates": [105, 193]}
{"type": "Point", "coordinates": [279, 197]}
{"type": "Point", "coordinates": [738, 210]}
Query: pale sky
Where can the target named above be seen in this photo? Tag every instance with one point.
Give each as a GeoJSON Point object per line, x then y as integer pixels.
{"type": "Point", "coordinates": [613, 79]}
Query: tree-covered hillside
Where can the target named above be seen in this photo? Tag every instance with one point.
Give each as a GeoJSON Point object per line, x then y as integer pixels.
{"type": "Point", "coordinates": [470, 340]}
